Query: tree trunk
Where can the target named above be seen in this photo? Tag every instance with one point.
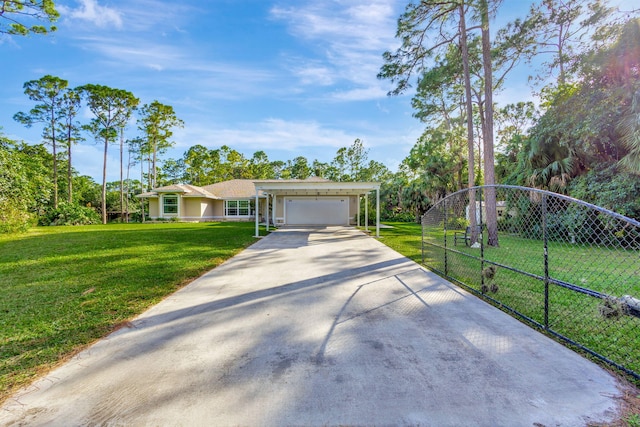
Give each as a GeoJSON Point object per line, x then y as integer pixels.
{"type": "Point", "coordinates": [121, 175]}
{"type": "Point", "coordinates": [469, 112]}
{"type": "Point", "coordinates": [149, 176]}
{"type": "Point", "coordinates": [142, 189]}
{"type": "Point", "coordinates": [128, 181]}
{"type": "Point", "coordinates": [55, 158]}
{"type": "Point", "coordinates": [155, 170]}
{"type": "Point", "coordinates": [69, 168]}
{"type": "Point", "coordinates": [489, 161]}
{"type": "Point", "coordinates": [104, 182]}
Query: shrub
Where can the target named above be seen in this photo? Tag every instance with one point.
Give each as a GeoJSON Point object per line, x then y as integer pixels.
{"type": "Point", "coordinates": [397, 216]}
{"type": "Point", "coordinates": [71, 214]}
{"type": "Point", "coordinates": [610, 187]}
{"type": "Point", "coordinates": [13, 219]}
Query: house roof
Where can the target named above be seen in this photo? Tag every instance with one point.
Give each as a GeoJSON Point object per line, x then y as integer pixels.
{"type": "Point", "coordinates": [233, 189]}
{"type": "Point", "coordinates": [246, 188]}
{"type": "Point", "coordinates": [186, 190]}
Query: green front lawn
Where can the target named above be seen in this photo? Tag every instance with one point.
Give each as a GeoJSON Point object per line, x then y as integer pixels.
{"type": "Point", "coordinates": [64, 287]}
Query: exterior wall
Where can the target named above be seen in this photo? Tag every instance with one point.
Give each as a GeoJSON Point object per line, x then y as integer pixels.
{"type": "Point", "coordinates": [279, 209]}
{"type": "Point", "coordinates": [217, 208]}
{"type": "Point", "coordinates": [208, 208]}
{"type": "Point", "coordinates": [191, 209]}
{"type": "Point", "coordinates": [353, 209]}
{"type": "Point", "coordinates": [154, 210]}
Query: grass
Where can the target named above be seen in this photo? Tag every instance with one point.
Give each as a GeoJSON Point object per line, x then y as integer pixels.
{"type": "Point", "coordinates": [62, 288]}
{"type": "Point", "coordinates": [572, 314]}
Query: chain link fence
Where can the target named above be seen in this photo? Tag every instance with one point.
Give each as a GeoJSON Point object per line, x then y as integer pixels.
{"type": "Point", "coordinates": [566, 266]}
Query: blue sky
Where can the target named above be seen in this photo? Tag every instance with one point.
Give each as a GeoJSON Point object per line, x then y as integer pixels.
{"type": "Point", "coordinates": [290, 77]}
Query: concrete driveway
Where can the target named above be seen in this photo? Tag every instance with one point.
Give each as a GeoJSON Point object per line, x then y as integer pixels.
{"type": "Point", "coordinates": [323, 326]}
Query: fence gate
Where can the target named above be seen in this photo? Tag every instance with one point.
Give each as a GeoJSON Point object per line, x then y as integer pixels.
{"type": "Point", "coordinates": [565, 266]}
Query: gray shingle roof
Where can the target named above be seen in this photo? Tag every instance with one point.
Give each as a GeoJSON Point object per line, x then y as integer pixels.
{"type": "Point", "coordinates": [232, 189]}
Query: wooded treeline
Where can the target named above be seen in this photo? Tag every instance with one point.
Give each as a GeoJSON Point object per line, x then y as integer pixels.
{"type": "Point", "coordinates": [580, 137]}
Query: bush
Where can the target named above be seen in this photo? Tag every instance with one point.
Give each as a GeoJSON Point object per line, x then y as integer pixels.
{"type": "Point", "coordinates": [397, 216]}
{"type": "Point", "coordinates": [71, 214]}
{"type": "Point", "coordinates": [14, 220]}
{"type": "Point", "coordinates": [610, 187]}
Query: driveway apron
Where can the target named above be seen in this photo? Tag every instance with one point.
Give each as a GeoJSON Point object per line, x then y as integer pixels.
{"type": "Point", "coordinates": [321, 326]}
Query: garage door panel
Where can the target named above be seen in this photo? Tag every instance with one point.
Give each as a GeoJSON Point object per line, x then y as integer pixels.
{"type": "Point", "coordinates": [321, 211]}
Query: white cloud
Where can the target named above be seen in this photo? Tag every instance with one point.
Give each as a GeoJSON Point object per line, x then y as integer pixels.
{"type": "Point", "coordinates": [124, 50]}
{"type": "Point", "coordinates": [313, 73]}
{"type": "Point", "coordinates": [268, 134]}
{"type": "Point", "coordinates": [349, 37]}
{"type": "Point", "coordinates": [360, 94]}
{"type": "Point", "coordinates": [91, 11]}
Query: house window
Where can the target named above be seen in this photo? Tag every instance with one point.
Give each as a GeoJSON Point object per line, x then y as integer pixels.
{"type": "Point", "coordinates": [170, 205]}
{"type": "Point", "coordinates": [237, 208]}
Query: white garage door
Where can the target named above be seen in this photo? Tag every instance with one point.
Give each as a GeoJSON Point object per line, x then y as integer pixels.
{"type": "Point", "coordinates": [320, 211]}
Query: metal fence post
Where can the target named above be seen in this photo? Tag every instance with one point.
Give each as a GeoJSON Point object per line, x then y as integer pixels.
{"type": "Point", "coordinates": [422, 234]}
{"type": "Point", "coordinates": [446, 264]}
{"type": "Point", "coordinates": [481, 241]}
{"type": "Point", "coordinates": [546, 261]}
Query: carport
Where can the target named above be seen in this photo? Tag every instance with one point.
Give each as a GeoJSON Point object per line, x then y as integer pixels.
{"type": "Point", "coordinates": [315, 202]}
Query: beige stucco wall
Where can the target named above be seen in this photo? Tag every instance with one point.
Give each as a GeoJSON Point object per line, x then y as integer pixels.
{"type": "Point", "coordinates": [279, 206]}
{"type": "Point", "coordinates": [154, 212]}
{"type": "Point", "coordinates": [217, 207]}
{"type": "Point", "coordinates": [207, 208]}
{"type": "Point", "coordinates": [191, 208]}
{"type": "Point", "coordinates": [353, 209]}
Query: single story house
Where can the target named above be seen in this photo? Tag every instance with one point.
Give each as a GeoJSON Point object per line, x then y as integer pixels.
{"type": "Point", "coordinates": [313, 201]}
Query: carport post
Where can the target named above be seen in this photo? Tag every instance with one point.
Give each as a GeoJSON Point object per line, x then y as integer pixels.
{"type": "Point", "coordinates": [273, 208]}
{"type": "Point", "coordinates": [378, 212]}
{"type": "Point", "coordinates": [366, 212]}
{"type": "Point", "coordinates": [358, 215]}
{"type": "Point", "coordinates": [266, 213]}
{"type": "Point", "coordinates": [257, 216]}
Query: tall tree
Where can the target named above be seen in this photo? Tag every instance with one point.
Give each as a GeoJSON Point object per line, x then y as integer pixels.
{"type": "Point", "coordinates": [233, 164]}
{"type": "Point", "coordinates": [356, 159]}
{"type": "Point", "coordinates": [111, 109]}
{"type": "Point", "coordinates": [260, 166]}
{"type": "Point", "coordinates": [487, 137]}
{"type": "Point", "coordinates": [201, 164]}
{"type": "Point", "coordinates": [299, 168]}
{"type": "Point", "coordinates": [157, 121]}
{"type": "Point", "coordinates": [173, 171]}
{"type": "Point", "coordinates": [70, 131]}
{"type": "Point", "coordinates": [47, 92]}
{"type": "Point", "coordinates": [427, 29]}
{"type": "Point", "coordinates": [280, 170]}
{"type": "Point", "coordinates": [136, 146]}
{"type": "Point", "coordinates": [436, 162]}
{"type": "Point", "coordinates": [319, 168]}
{"type": "Point", "coordinates": [623, 67]}
{"type": "Point", "coordinates": [15, 16]}
{"type": "Point", "coordinates": [338, 169]}
{"type": "Point", "coordinates": [124, 215]}
{"type": "Point", "coordinates": [566, 28]}
{"type": "Point", "coordinates": [464, 48]}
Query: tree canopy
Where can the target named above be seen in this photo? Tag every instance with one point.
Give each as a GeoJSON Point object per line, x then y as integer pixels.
{"type": "Point", "coordinates": [23, 17]}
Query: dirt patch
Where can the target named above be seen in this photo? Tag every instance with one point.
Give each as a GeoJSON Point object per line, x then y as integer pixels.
{"type": "Point", "coordinates": [629, 406]}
